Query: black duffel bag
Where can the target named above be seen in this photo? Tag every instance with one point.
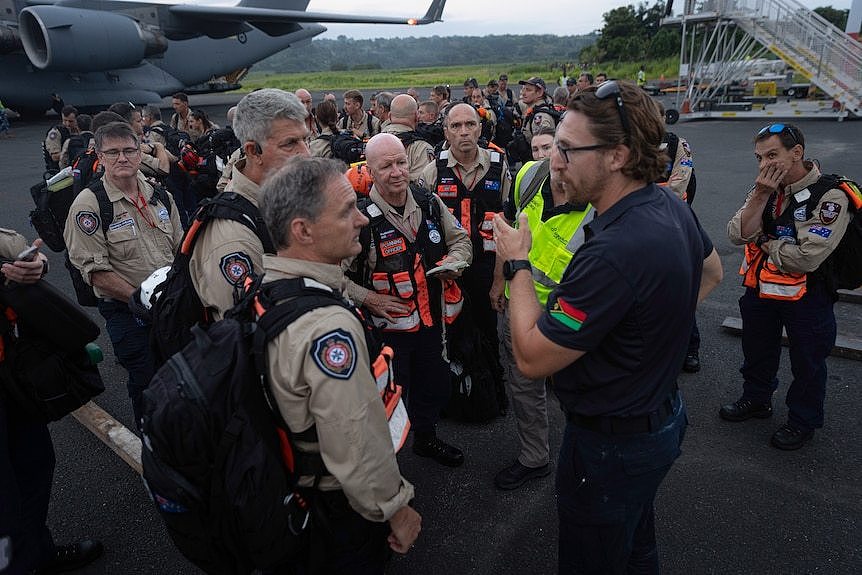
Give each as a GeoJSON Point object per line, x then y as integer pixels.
{"type": "Point", "coordinates": [45, 383]}
{"type": "Point", "coordinates": [47, 371]}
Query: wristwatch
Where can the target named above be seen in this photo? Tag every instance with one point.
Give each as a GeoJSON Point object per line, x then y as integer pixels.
{"type": "Point", "coordinates": [510, 267]}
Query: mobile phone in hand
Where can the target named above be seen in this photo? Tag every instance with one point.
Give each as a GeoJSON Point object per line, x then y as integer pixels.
{"type": "Point", "coordinates": [28, 254]}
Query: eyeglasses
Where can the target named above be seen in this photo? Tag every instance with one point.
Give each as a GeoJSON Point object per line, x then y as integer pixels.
{"type": "Point", "coordinates": [565, 151]}
{"type": "Point", "coordinates": [612, 89]}
{"type": "Point", "coordinates": [114, 155]}
{"type": "Point", "coordinates": [779, 129]}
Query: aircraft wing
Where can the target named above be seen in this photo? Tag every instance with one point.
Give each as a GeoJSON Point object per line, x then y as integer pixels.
{"type": "Point", "coordinates": [276, 16]}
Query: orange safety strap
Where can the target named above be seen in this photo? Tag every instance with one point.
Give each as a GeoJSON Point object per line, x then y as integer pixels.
{"type": "Point", "coordinates": [853, 193]}
{"type": "Point", "coordinates": [466, 204]}
{"type": "Point", "coordinates": [422, 296]}
{"type": "Point", "coordinates": [186, 248]}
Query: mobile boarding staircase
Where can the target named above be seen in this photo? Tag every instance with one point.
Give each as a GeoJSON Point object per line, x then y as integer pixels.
{"type": "Point", "coordinates": [719, 37]}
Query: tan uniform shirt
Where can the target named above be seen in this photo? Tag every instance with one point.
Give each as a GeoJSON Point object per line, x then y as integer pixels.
{"type": "Point", "coordinates": [816, 237]}
{"type": "Point", "coordinates": [321, 146]}
{"type": "Point", "coordinates": [133, 247]}
{"type": "Point", "coordinates": [54, 142]}
{"type": "Point", "coordinates": [457, 240]}
{"type": "Point", "coordinates": [320, 374]}
{"type": "Point", "coordinates": [469, 175]}
{"type": "Point", "coordinates": [227, 171]}
{"type": "Point", "coordinates": [683, 166]}
{"type": "Point", "coordinates": [153, 136]}
{"type": "Point", "coordinates": [11, 243]}
{"type": "Point", "coordinates": [540, 119]}
{"type": "Point", "coordinates": [226, 252]}
{"type": "Point", "coordinates": [419, 153]}
{"type": "Point", "coordinates": [360, 130]}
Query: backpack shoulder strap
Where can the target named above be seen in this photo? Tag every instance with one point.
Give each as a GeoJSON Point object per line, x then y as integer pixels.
{"type": "Point", "coordinates": [161, 194]}
{"type": "Point", "coordinates": [529, 182]}
{"type": "Point", "coordinates": [427, 203]}
{"type": "Point", "coordinates": [233, 206]}
{"type": "Point", "coordinates": [284, 301]}
{"type": "Point", "coordinates": [672, 145]}
{"type": "Point", "coordinates": [370, 124]}
{"type": "Point", "coordinates": [828, 182]}
{"type": "Point", "coordinates": [106, 208]}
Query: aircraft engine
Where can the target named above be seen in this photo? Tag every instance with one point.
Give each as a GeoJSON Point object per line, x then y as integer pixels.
{"type": "Point", "coordinates": [76, 40]}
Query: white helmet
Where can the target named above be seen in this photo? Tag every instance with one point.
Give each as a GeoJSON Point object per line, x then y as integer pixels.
{"type": "Point", "coordinates": [150, 284]}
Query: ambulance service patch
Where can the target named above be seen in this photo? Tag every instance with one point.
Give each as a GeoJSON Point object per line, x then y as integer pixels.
{"type": "Point", "coordinates": [335, 354]}
{"type": "Point", "coordinates": [234, 267]}
{"type": "Point", "coordinates": [88, 222]}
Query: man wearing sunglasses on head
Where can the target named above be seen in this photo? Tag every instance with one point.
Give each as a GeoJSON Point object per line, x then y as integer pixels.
{"type": "Point", "coordinates": [790, 223]}
{"type": "Point", "coordinates": [614, 332]}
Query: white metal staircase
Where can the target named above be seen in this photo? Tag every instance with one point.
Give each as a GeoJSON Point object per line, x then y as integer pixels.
{"type": "Point", "coordinates": [822, 53]}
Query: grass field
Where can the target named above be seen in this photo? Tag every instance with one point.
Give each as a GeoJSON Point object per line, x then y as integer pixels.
{"type": "Point", "coordinates": [452, 75]}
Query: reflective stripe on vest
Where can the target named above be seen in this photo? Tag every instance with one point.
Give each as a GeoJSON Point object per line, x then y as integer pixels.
{"type": "Point", "coordinates": [549, 256]}
{"type": "Point", "coordinates": [761, 274]}
{"type": "Point", "coordinates": [453, 300]}
{"type": "Point", "coordinates": [390, 393]}
{"type": "Point", "coordinates": [486, 230]}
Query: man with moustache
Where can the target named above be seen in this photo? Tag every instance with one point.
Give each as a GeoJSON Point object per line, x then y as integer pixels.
{"type": "Point", "coordinates": [615, 331]}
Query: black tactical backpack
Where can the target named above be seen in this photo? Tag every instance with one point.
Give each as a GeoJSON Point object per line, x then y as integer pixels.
{"type": "Point", "coordinates": [176, 306]}
{"type": "Point", "coordinates": [347, 147]}
{"type": "Point", "coordinates": [218, 459]}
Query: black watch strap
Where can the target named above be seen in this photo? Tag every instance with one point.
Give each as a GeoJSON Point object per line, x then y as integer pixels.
{"type": "Point", "coordinates": [511, 267]}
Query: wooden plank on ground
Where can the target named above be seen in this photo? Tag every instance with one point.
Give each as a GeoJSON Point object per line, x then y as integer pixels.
{"type": "Point", "coordinates": [112, 433]}
{"type": "Point", "coordinates": [845, 346]}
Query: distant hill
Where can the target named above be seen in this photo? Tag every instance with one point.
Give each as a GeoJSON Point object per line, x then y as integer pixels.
{"type": "Point", "coordinates": [346, 53]}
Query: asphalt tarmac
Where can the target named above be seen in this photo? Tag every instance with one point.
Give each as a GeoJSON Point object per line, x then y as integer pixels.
{"type": "Point", "coordinates": [731, 503]}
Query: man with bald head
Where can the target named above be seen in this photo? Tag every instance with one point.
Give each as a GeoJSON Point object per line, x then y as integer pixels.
{"type": "Point", "coordinates": [310, 120]}
{"type": "Point", "coordinates": [411, 232]}
{"type": "Point", "coordinates": [403, 116]}
{"type": "Point", "coordinates": [473, 182]}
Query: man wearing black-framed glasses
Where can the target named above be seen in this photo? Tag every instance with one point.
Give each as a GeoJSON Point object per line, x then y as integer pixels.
{"type": "Point", "coordinates": [119, 230]}
{"type": "Point", "coordinates": [615, 331]}
{"type": "Point", "coordinates": [790, 223]}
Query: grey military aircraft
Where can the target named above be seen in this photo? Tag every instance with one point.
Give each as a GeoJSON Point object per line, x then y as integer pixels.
{"type": "Point", "coordinates": [96, 52]}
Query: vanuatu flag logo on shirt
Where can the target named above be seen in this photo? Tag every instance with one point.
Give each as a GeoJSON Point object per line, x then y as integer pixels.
{"type": "Point", "coordinates": [568, 315]}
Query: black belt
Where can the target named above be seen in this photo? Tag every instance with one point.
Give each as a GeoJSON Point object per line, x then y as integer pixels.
{"type": "Point", "coordinates": [649, 423]}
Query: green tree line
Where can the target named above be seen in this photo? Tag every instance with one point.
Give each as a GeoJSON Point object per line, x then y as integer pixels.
{"type": "Point", "coordinates": [346, 53]}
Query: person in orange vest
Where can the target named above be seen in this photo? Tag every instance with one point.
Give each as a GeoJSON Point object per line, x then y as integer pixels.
{"type": "Point", "coordinates": [790, 223]}
{"type": "Point", "coordinates": [410, 234]}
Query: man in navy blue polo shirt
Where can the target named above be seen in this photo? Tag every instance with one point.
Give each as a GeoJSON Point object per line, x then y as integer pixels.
{"type": "Point", "coordinates": [615, 332]}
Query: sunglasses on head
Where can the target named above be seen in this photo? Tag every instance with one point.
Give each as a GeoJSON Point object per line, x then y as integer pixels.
{"type": "Point", "coordinates": [611, 89]}
{"type": "Point", "coordinates": [780, 129]}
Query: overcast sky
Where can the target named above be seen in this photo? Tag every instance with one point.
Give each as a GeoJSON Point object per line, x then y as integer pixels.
{"type": "Point", "coordinates": [481, 17]}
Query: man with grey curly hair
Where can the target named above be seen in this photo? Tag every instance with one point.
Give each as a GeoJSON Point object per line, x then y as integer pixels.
{"type": "Point", "coordinates": [270, 124]}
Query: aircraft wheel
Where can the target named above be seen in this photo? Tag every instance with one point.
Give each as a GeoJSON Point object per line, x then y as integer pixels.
{"type": "Point", "coordinates": [671, 116]}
